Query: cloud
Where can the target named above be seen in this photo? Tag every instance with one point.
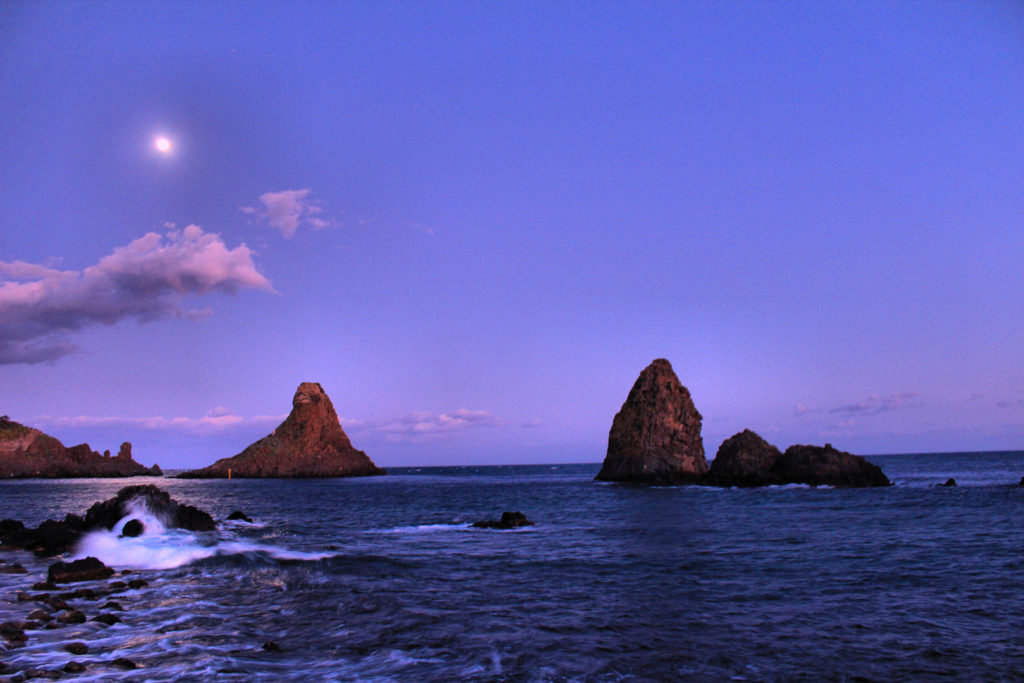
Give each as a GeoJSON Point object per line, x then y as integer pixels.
{"type": "Point", "coordinates": [147, 279]}
{"type": "Point", "coordinates": [874, 404]}
{"type": "Point", "coordinates": [424, 425]}
{"type": "Point", "coordinates": [1014, 403]}
{"type": "Point", "coordinates": [217, 420]}
{"type": "Point", "coordinates": [288, 210]}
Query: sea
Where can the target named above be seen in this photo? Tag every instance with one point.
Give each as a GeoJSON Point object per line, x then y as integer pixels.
{"type": "Point", "coordinates": [384, 579]}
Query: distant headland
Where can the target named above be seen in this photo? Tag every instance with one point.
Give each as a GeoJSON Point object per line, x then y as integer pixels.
{"type": "Point", "coordinates": [27, 452]}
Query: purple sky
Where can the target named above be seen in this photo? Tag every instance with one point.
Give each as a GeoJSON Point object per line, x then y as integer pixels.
{"type": "Point", "coordinates": [475, 223]}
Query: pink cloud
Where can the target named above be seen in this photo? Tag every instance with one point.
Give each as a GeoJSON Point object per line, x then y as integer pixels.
{"type": "Point", "coordinates": [147, 279]}
{"type": "Point", "coordinates": [288, 210]}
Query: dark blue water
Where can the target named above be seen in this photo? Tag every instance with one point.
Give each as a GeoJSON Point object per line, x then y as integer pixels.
{"type": "Point", "coordinates": [381, 579]}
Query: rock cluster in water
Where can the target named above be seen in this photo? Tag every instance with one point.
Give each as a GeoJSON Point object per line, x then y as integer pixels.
{"type": "Point", "coordinates": [509, 520]}
{"type": "Point", "coordinates": [28, 452]}
{"type": "Point", "coordinates": [309, 443]}
{"type": "Point", "coordinates": [53, 537]}
{"type": "Point", "coordinates": [655, 439]}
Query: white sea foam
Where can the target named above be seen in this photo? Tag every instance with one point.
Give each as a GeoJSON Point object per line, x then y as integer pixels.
{"type": "Point", "coordinates": [158, 547]}
{"type": "Point", "coordinates": [425, 528]}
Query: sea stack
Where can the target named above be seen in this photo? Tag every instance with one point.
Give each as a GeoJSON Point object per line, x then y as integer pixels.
{"type": "Point", "coordinates": [27, 452]}
{"type": "Point", "coordinates": [309, 443]}
{"type": "Point", "coordinates": [655, 437]}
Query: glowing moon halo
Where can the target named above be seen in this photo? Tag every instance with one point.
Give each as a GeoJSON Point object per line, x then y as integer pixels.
{"type": "Point", "coordinates": [163, 144]}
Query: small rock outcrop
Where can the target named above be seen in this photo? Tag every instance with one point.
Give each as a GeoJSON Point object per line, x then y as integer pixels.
{"type": "Point", "coordinates": [745, 460]}
{"type": "Point", "coordinates": [309, 443]}
{"type": "Point", "coordinates": [509, 520]}
{"type": "Point", "coordinates": [173, 514]}
{"type": "Point", "coordinates": [26, 452]}
{"type": "Point", "coordinates": [949, 482]}
{"type": "Point", "coordinates": [52, 537]}
{"type": "Point", "coordinates": [655, 437]}
{"type": "Point", "coordinates": [86, 569]}
{"type": "Point", "coordinates": [826, 466]}
{"type": "Point", "coordinates": [748, 460]}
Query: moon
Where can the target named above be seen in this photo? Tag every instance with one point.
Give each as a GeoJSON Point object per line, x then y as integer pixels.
{"type": "Point", "coordinates": [163, 144]}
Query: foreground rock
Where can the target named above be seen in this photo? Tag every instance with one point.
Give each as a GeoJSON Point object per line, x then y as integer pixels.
{"type": "Point", "coordinates": [309, 443]}
{"type": "Point", "coordinates": [655, 437]}
{"type": "Point", "coordinates": [173, 514]}
{"type": "Point", "coordinates": [748, 460]}
{"type": "Point", "coordinates": [86, 569]}
{"type": "Point", "coordinates": [27, 452]}
{"type": "Point", "coordinates": [52, 537]}
{"type": "Point", "coordinates": [509, 520]}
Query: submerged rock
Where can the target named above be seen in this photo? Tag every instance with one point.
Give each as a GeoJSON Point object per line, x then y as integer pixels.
{"type": "Point", "coordinates": [86, 569]}
{"type": "Point", "coordinates": [509, 520]}
{"type": "Point", "coordinates": [27, 452]}
{"type": "Point", "coordinates": [949, 482]}
{"type": "Point", "coordinates": [309, 443]}
{"type": "Point", "coordinates": [655, 437]}
{"type": "Point", "coordinates": [239, 515]}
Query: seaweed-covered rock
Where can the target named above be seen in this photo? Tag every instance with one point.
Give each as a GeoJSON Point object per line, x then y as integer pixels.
{"type": "Point", "coordinates": [655, 437]}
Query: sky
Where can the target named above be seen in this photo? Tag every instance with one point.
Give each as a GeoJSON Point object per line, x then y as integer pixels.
{"type": "Point", "coordinates": [475, 223]}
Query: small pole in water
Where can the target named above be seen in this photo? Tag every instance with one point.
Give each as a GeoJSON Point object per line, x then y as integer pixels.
{"type": "Point", "coordinates": [229, 473]}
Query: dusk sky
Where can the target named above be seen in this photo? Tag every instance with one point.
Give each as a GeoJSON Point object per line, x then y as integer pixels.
{"type": "Point", "coordinates": [475, 223]}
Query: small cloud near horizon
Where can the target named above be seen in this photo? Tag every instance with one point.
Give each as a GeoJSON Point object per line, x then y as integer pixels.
{"type": "Point", "coordinates": [425, 425]}
{"type": "Point", "coordinates": [288, 210]}
{"type": "Point", "coordinates": [147, 279]}
{"type": "Point", "coordinates": [874, 404]}
{"type": "Point", "coordinates": [217, 420]}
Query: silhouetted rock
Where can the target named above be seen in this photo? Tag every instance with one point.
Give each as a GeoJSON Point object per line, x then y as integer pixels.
{"type": "Point", "coordinates": [122, 663]}
{"type": "Point", "coordinates": [27, 452]}
{"type": "Point", "coordinates": [949, 482]}
{"type": "Point", "coordinates": [76, 648]}
{"type": "Point", "coordinates": [108, 619]}
{"type": "Point", "coordinates": [309, 443]}
{"type": "Point", "coordinates": [826, 466]}
{"type": "Point", "coordinates": [745, 460]}
{"type": "Point", "coordinates": [655, 437]}
{"type": "Point", "coordinates": [509, 520]}
{"type": "Point", "coordinates": [271, 646]}
{"type": "Point", "coordinates": [132, 528]}
{"type": "Point", "coordinates": [86, 569]}
{"type": "Point", "coordinates": [74, 667]}
{"type": "Point", "coordinates": [239, 515]}
{"type": "Point", "coordinates": [72, 616]}
{"type": "Point", "coordinates": [174, 515]}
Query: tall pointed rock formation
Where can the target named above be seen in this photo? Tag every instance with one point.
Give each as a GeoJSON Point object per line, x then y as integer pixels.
{"type": "Point", "coordinates": [309, 443]}
{"type": "Point", "coordinates": [655, 437]}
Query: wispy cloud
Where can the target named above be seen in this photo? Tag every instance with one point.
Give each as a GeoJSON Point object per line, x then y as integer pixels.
{"type": "Point", "coordinates": [874, 404]}
{"type": "Point", "coordinates": [288, 210]}
{"type": "Point", "coordinates": [217, 420]}
{"type": "Point", "coordinates": [147, 279]}
{"type": "Point", "coordinates": [424, 425]}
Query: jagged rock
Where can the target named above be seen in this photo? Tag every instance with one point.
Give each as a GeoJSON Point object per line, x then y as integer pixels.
{"type": "Point", "coordinates": [86, 569]}
{"type": "Point", "coordinates": [309, 443]}
{"type": "Point", "coordinates": [655, 437]}
{"type": "Point", "coordinates": [745, 459]}
{"type": "Point", "coordinates": [509, 520]}
{"type": "Point", "coordinates": [174, 515]}
{"type": "Point", "coordinates": [27, 452]}
{"type": "Point", "coordinates": [826, 466]}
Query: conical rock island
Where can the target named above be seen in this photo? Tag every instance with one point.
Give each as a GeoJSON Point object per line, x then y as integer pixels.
{"type": "Point", "coordinates": [655, 437]}
{"type": "Point", "coordinates": [309, 443]}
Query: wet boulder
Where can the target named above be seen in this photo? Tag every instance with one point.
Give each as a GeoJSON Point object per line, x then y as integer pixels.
{"type": "Point", "coordinates": [238, 515]}
{"type": "Point", "coordinates": [132, 528]}
{"type": "Point", "coordinates": [745, 459]}
{"type": "Point", "coordinates": [509, 520]}
{"type": "Point", "coordinates": [86, 569]}
{"type": "Point", "coordinates": [172, 513]}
